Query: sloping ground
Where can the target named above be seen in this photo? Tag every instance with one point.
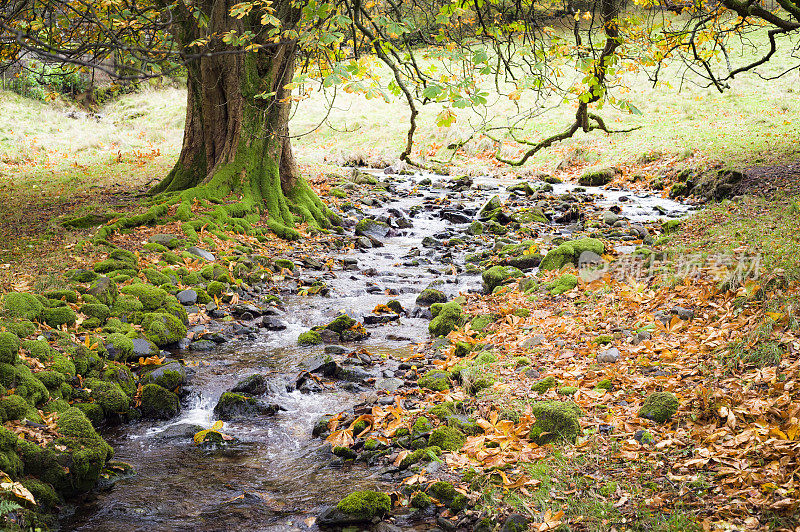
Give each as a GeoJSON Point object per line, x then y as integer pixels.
{"type": "Point", "coordinates": [783, 180]}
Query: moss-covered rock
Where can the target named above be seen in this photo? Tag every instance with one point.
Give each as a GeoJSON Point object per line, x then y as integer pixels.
{"type": "Point", "coordinates": [567, 390]}
{"type": "Point", "coordinates": [16, 407]}
{"type": "Point", "coordinates": [659, 407]}
{"type": "Point", "coordinates": [109, 396]}
{"type": "Point", "coordinates": [64, 294]}
{"type": "Point", "coordinates": [480, 323]}
{"type": "Point", "coordinates": [88, 452]}
{"type": "Point", "coordinates": [499, 275]}
{"type": "Point", "coordinates": [341, 323]}
{"type": "Point", "coordinates": [163, 329]}
{"type": "Point", "coordinates": [436, 380]}
{"type": "Point", "coordinates": [365, 505]}
{"type": "Point", "coordinates": [121, 375]}
{"type": "Point", "coordinates": [22, 328]}
{"type": "Point", "coordinates": [119, 347]}
{"type": "Point", "coordinates": [151, 297]}
{"type": "Point", "coordinates": [443, 410]}
{"type": "Point", "coordinates": [429, 296]}
{"type": "Point", "coordinates": [97, 310]}
{"type": "Point", "coordinates": [52, 380]}
{"type": "Point", "coordinates": [562, 284]}
{"type": "Point", "coordinates": [79, 275]}
{"type": "Point", "coordinates": [56, 317]}
{"type": "Point", "coordinates": [597, 178]}
{"type": "Point", "coordinates": [485, 357]}
{"type": "Point", "coordinates": [447, 438]}
{"type": "Point", "coordinates": [215, 288]}
{"type": "Point", "coordinates": [555, 421]}
{"type": "Point", "coordinates": [420, 500]}
{"type": "Point", "coordinates": [155, 277]}
{"type": "Point", "coordinates": [216, 272]}
{"type": "Point", "coordinates": [9, 348]}
{"type": "Point", "coordinates": [309, 338]}
{"type": "Point", "coordinates": [570, 252]}
{"type": "Point", "coordinates": [158, 402]}
{"type": "Point", "coordinates": [22, 305]}
{"type": "Point", "coordinates": [448, 319]}
{"type": "Point", "coordinates": [544, 384]}
{"type": "Point", "coordinates": [233, 405]}
{"type": "Point", "coordinates": [127, 308]}
{"type": "Point", "coordinates": [421, 424]}
{"type": "Point", "coordinates": [425, 454]}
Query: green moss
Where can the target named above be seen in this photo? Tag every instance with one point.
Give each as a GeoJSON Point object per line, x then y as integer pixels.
{"type": "Point", "coordinates": [151, 297]}
{"type": "Point", "coordinates": [62, 364]}
{"type": "Point", "coordinates": [486, 357]}
{"type": "Point", "coordinates": [341, 323]}
{"type": "Point", "coordinates": [555, 421]}
{"type": "Point", "coordinates": [158, 402]}
{"type": "Point", "coordinates": [436, 308]}
{"type": "Point", "coordinates": [11, 464]}
{"type": "Point", "coordinates": [365, 505]}
{"type": "Point", "coordinates": [562, 284]}
{"type": "Point", "coordinates": [16, 407]}
{"type": "Point", "coordinates": [22, 328]}
{"type": "Point", "coordinates": [659, 407]}
{"type": "Point", "coordinates": [56, 317]}
{"type": "Point", "coordinates": [120, 346]}
{"type": "Point", "coordinates": [9, 348]}
{"type": "Point", "coordinates": [605, 384]}
{"type": "Point", "coordinates": [420, 500]}
{"type": "Point", "coordinates": [97, 310]}
{"type": "Point", "coordinates": [570, 252]}
{"type": "Point", "coordinates": [444, 491]}
{"type": "Point", "coordinates": [70, 296]}
{"type": "Point", "coordinates": [172, 379]}
{"type": "Point", "coordinates": [522, 361]}
{"type": "Point", "coordinates": [604, 339]}
{"type": "Point", "coordinates": [499, 275]}
{"type": "Point", "coordinates": [215, 272]}
{"type": "Point", "coordinates": [89, 452]}
{"type": "Point", "coordinates": [79, 275]}
{"type": "Point", "coordinates": [155, 277]}
{"type": "Point", "coordinates": [284, 264]}
{"type": "Point", "coordinates": [163, 329]}
{"type": "Point", "coordinates": [421, 424]}
{"type": "Point", "coordinates": [215, 288]}
{"type": "Point", "coordinates": [544, 384]}
{"type": "Point", "coordinates": [46, 497]}
{"type": "Point", "coordinates": [447, 438]}
{"type": "Point", "coordinates": [109, 396]}
{"type": "Point", "coordinates": [426, 454]}
{"type": "Point", "coordinates": [309, 338]}
{"type": "Point", "coordinates": [93, 411]}
{"type": "Point", "coordinates": [22, 305]}
{"type": "Point", "coordinates": [52, 380]}
{"type": "Point", "coordinates": [371, 444]}
{"type": "Point", "coordinates": [359, 427]}
{"type": "Point", "coordinates": [480, 323]}
{"type": "Point", "coordinates": [436, 380]}
{"type": "Point", "coordinates": [121, 375]}
{"type": "Point", "coordinates": [567, 390]}
{"type": "Point", "coordinates": [430, 296]}
{"type": "Point", "coordinates": [127, 307]}
{"type": "Point", "coordinates": [447, 320]}
{"type": "Point", "coordinates": [337, 193]}
{"type": "Point", "coordinates": [443, 410]}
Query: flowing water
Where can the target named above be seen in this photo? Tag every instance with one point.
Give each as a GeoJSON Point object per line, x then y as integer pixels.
{"type": "Point", "coordinates": [277, 477]}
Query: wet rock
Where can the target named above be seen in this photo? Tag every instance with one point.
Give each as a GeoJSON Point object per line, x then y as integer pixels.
{"type": "Point", "coordinates": [329, 337]}
{"type": "Point", "coordinates": [430, 296]}
{"type": "Point", "coordinates": [373, 319]}
{"type": "Point", "coordinates": [532, 374]}
{"type": "Point", "coordinates": [683, 313]}
{"type": "Point", "coordinates": [143, 348]}
{"type": "Point", "coordinates": [609, 218]}
{"type": "Point", "coordinates": [499, 275]}
{"type": "Point", "coordinates": [187, 297]}
{"type": "Point", "coordinates": [390, 384]}
{"type": "Point", "coordinates": [202, 253]}
{"type": "Point", "coordinates": [237, 406]}
{"type": "Point", "coordinates": [352, 374]}
{"type": "Point", "coordinates": [324, 365]}
{"type": "Point", "coordinates": [335, 350]}
{"type": "Point", "coordinates": [608, 356]}
{"type": "Point", "coordinates": [373, 229]}
{"type": "Point", "coordinates": [455, 217]}
{"type": "Point", "coordinates": [203, 345]}
{"type": "Point", "coordinates": [169, 376]}
{"type": "Point", "coordinates": [242, 309]}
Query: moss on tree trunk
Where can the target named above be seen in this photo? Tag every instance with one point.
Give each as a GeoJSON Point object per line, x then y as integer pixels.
{"type": "Point", "coordinates": [236, 137]}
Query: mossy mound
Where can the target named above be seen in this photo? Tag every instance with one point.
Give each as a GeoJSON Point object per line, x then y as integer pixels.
{"type": "Point", "coordinates": [22, 305]}
{"type": "Point", "coordinates": [58, 316]}
{"type": "Point", "coordinates": [447, 438]}
{"type": "Point", "coordinates": [430, 296]}
{"type": "Point", "coordinates": [151, 297]}
{"type": "Point", "coordinates": [562, 284]}
{"type": "Point", "coordinates": [215, 272]}
{"type": "Point", "coordinates": [104, 289]}
{"type": "Point", "coordinates": [597, 178]}
{"type": "Point", "coordinates": [158, 402]}
{"type": "Point", "coordinates": [555, 421]}
{"type": "Point", "coordinates": [22, 328]}
{"type": "Point", "coordinates": [570, 252]}
{"type": "Point", "coordinates": [309, 338]}
{"type": "Point", "coordinates": [436, 380]}
{"type": "Point", "coordinates": [498, 276]}
{"type": "Point", "coordinates": [65, 294]}
{"type": "Point", "coordinates": [544, 384]}
{"type": "Point", "coordinates": [447, 319]}
{"type": "Point", "coordinates": [365, 505]}
{"type": "Point", "coordinates": [119, 347]}
{"type": "Point", "coordinates": [88, 452]}
{"type": "Point", "coordinates": [426, 454]}
{"type": "Point", "coordinates": [480, 323]}
{"type": "Point", "coordinates": [237, 406]}
{"type": "Point", "coordinates": [163, 329]}
{"type": "Point", "coordinates": [341, 323]}
{"type": "Point", "coordinates": [659, 407]}
{"type": "Point", "coordinates": [109, 396]}
{"type": "Point", "coordinates": [9, 348]}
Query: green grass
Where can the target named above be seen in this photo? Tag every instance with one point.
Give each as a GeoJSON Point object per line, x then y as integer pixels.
{"type": "Point", "coordinates": [589, 498]}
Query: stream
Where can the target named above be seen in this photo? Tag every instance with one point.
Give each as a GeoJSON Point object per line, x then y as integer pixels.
{"type": "Point", "coordinates": [277, 476]}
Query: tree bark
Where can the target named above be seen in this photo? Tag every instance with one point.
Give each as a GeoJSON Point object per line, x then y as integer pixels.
{"type": "Point", "coordinates": [236, 137]}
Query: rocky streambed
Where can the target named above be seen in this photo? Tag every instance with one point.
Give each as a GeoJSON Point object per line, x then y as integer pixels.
{"type": "Point", "coordinates": [334, 343]}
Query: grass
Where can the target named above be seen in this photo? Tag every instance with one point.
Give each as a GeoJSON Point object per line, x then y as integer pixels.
{"type": "Point", "coordinates": [589, 490]}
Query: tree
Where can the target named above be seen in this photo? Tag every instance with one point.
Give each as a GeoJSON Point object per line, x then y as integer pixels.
{"type": "Point", "coordinates": [244, 60]}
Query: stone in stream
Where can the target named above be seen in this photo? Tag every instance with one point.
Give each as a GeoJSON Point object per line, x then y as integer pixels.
{"type": "Point", "coordinates": [335, 350]}
{"type": "Point", "coordinates": [259, 384]}
{"type": "Point", "coordinates": [429, 296]}
{"type": "Point", "coordinates": [238, 406]}
{"type": "Point", "coordinates": [242, 309]}
{"type": "Point", "coordinates": [352, 374]}
{"type": "Point", "coordinates": [454, 216]}
{"type": "Point", "coordinates": [609, 218]}
{"type": "Point", "coordinates": [378, 319]}
{"type": "Point", "coordinates": [271, 323]}
{"type": "Point", "coordinates": [499, 275]}
{"type": "Point", "coordinates": [187, 297]}
{"type": "Point", "coordinates": [389, 384]}
{"type": "Point", "coordinates": [143, 348]}
{"type": "Point", "coordinates": [373, 229]}
{"type": "Point", "coordinates": [202, 253]}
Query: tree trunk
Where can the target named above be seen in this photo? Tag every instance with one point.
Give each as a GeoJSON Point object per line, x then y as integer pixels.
{"type": "Point", "coordinates": [236, 134]}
